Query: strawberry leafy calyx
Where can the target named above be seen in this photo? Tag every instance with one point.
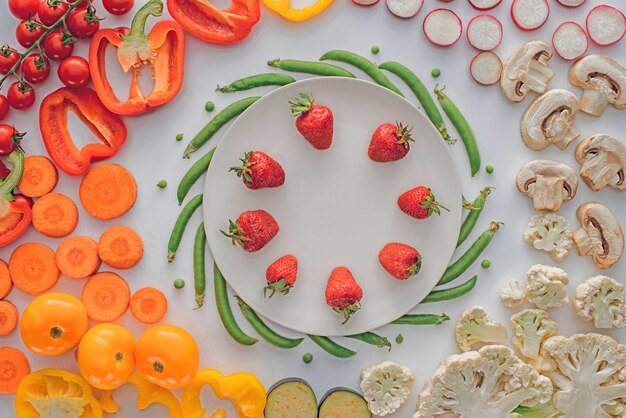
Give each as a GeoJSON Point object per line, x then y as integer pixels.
{"type": "Point", "coordinates": [348, 311]}
{"type": "Point", "coordinates": [235, 234]}
{"type": "Point", "coordinates": [415, 268]}
{"type": "Point", "coordinates": [278, 286]}
{"type": "Point", "coordinates": [403, 134]}
{"type": "Point", "coordinates": [302, 104]}
{"type": "Point", "coordinates": [243, 171]}
{"type": "Point", "coordinates": [432, 206]}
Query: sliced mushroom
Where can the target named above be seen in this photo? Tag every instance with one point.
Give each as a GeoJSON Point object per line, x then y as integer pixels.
{"type": "Point", "coordinates": [548, 182]}
{"type": "Point", "coordinates": [550, 120]}
{"type": "Point", "coordinates": [527, 70]}
{"type": "Point", "coordinates": [603, 160]}
{"type": "Point", "coordinates": [601, 235]}
{"type": "Point", "coordinates": [603, 80]}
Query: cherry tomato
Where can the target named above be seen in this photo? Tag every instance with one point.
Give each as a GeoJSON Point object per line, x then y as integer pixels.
{"type": "Point", "coordinates": [50, 11]}
{"type": "Point", "coordinates": [20, 198]}
{"type": "Point", "coordinates": [4, 106]}
{"type": "Point", "coordinates": [74, 72]}
{"type": "Point", "coordinates": [58, 45]}
{"type": "Point", "coordinates": [28, 32]}
{"type": "Point", "coordinates": [23, 8]}
{"type": "Point", "coordinates": [83, 23]}
{"type": "Point", "coordinates": [35, 68]}
{"type": "Point", "coordinates": [118, 7]}
{"type": "Point", "coordinates": [9, 139]}
{"type": "Point", "coordinates": [4, 171]}
{"type": "Point", "coordinates": [21, 95]}
{"type": "Point", "coordinates": [8, 58]}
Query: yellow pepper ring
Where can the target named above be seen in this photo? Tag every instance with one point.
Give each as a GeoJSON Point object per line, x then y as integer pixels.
{"type": "Point", "coordinates": [283, 8]}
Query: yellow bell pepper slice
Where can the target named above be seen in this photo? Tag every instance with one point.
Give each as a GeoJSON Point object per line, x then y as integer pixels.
{"type": "Point", "coordinates": [283, 8]}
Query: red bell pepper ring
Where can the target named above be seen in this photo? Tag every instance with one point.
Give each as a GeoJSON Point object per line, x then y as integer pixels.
{"type": "Point", "coordinates": [15, 213]}
{"type": "Point", "coordinates": [84, 102]}
{"type": "Point", "coordinates": [208, 22]}
{"type": "Point", "coordinates": [163, 50]}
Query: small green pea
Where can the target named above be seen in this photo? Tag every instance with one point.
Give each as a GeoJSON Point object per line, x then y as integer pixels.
{"type": "Point", "coordinates": [375, 49]}
{"type": "Point", "coordinates": [399, 339]}
{"type": "Point", "coordinates": [162, 184]}
{"type": "Point", "coordinates": [489, 169]}
{"type": "Point", "coordinates": [179, 283]}
{"type": "Point", "coordinates": [209, 106]}
{"type": "Point", "coordinates": [485, 264]}
{"type": "Point", "coordinates": [436, 72]}
{"type": "Point", "coordinates": [307, 358]}
{"type": "Point", "coordinates": [179, 137]}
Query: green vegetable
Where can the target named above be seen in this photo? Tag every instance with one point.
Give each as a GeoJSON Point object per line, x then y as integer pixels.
{"type": "Point", "coordinates": [199, 273]}
{"type": "Point", "coordinates": [259, 80]}
{"type": "Point", "coordinates": [179, 227]}
{"type": "Point", "coordinates": [371, 338]}
{"type": "Point", "coordinates": [310, 67]}
{"type": "Point", "coordinates": [307, 358]}
{"type": "Point", "coordinates": [399, 339]}
{"type": "Point", "coordinates": [290, 398]}
{"type": "Point", "coordinates": [197, 170]}
{"type": "Point", "coordinates": [162, 184]}
{"type": "Point", "coordinates": [179, 283]}
{"type": "Point", "coordinates": [332, 347]}
{"type": "Point", "coordinates": [375, 49]}
{"type": "Point", "coordinates": [421, 319]}
{"type": "Point", "coordinates": [485, 264]}
{"type": "Point", "coordinates": [436, 72]}
{"type": "Point", "coordinates": [451, 293]}
{"type": "Point", "coordinates": [209, 106]}
{"type": "Point", "coordinates": [476, 208]}
{"type": "Point", "coordinates": [489, 169]}
{"type": "Point", "coordinates": [263, 330]}
{"type": "Point", "coordinates": [179, 137]}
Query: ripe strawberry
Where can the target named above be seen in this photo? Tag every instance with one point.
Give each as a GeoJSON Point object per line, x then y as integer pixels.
{"type": "Point", "coordinates": [258, 170]}
{"type": "Point", "coordinates": [400, 260]}
{"type": "Point", "coordinates": [281, 275]}
{"type": "Point", "coordinates": [314, 122]}
{"type": "Point", "coordinates": [343, 293]}
{"type": "Point", "coordinates": [390, 142]}
{"type": "Point", "coordinates": [253, 230]}
{"type": "Point", "coordinates": [420, 203]}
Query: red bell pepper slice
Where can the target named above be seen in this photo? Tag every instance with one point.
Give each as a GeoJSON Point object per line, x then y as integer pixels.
{"type": "Point", "coordinates": [107, 126]}
{"type": "Point", "coordinates": [15, 214]}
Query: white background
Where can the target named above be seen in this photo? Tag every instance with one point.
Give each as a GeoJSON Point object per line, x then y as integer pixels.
{"type": "Point", "coordinates": [151, 153]}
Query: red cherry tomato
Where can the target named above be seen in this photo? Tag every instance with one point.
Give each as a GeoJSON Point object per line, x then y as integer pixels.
{"type": "Point", "coordinates": [4, 106]}
{"type": "Point", "coordinates": [74, 72]}
{"type": "Point", "coordinates": [50, 11]}
{"type": "Point", "coordinates": [8, 58]}
{"type": "Point", "coordinates": [20, 198]}
{"type": "Point", "coordinates": [58, 45]}
{"type": "Point", "coordinates": [83, 23]}
{"type": "Point", "coordinates": [21, 95]}
{"type": "Point", "coordinates": [35, 68]}
{"type": "Point", "coordinates": [9, 139]}
{"type": "Point", "coordinates": [23, 8]}
{"type": "Point", "coordinates": [28, 32]}
{"type": "Point", "coordinates": [118, 7]}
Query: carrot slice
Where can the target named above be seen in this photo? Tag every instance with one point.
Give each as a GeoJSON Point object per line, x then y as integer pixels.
{"type": "Point", "coordinates": [33, 268]}
{"type": "Point", "coordinates": [108, 191]}
{"type": "Point", "coordinates": [106, 296]}
{"type": "Point", "coordinates": [77, 257]}
{"type": "Point", "coordinates": [8, 317]}
{"type": "Point", "coordinates": [14, 367]}
{"type": "Point", "coordinates": [55, 215]}
{"type": "Point", "coordinates": [120, 247]}
{"type": "Point", "coordinates": [6, 284]}
{"type": "Point", "coordinates": [148, 305]}
{"type": "Point", "coordinates": [39, 178]}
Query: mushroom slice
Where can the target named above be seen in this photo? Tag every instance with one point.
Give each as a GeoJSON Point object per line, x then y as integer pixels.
{"type": "Point", "coordinates": [601, 235]}
{"type": "Point", "coordinates": [527, 70]}
{"type": "Point", "coordinates": [548, 182]}
{"type": "Point", "coordinates": [550, 120]}
{"type": "Point", "coordinates": [603, 80]}
{"type": "Point", "coordinates": [603, 160]}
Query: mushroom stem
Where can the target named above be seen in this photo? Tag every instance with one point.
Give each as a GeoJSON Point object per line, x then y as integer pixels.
{"type": "Point", "coordinates": [594, 102]}
{"type": "Point", "coordinates": [548, 193]}
{"type": "Point", "coordinates": [583, 242]}
{"type": "Point", "coordinates": [598, 171]}
{"type": "Point", "coordinates": [541, 68]}
{"type": "Point", "coordinates": [533, 81]}
{"type": "Point", "coordinates": [560, 129]}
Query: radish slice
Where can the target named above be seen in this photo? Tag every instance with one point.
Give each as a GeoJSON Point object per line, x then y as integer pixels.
{"type": "Point", "coordinates": [484, 32]}
{"type": "Point", "coordinates": [570, 41]}
{"type": "Point", "coordinates": [606, 25]}
{"type": "Point", "coordinates": [484, 4]}
{"type": "Point", "coordinates": [443, 27]}
{"type": "Point", "coordinates": [486, 68]}
{"type": "Point", "coordinates": [405, 8]}
{"type": "Point", "coordinates": [571, 3]}
{"type": "Point", "coordinates": [529, 14]}
{"type": "Point", "coordinates": [365, 2]}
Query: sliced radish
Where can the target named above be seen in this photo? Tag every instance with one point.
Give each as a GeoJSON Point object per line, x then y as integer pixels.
{"type": "Point", "coordinates": [486, 68]}
{"type": "Point", "coordinates": [570, 41]}
{"type": "Point", "coordinates": [530, 14]}
{"type": "Point", "coordinates": [405, 8]}
{"type": "Point", "coordinates": [571, 3]}
{"type": "Point", "coordinates": [606, 25]}
{"type": "Point", "coordinates": [484, 4]}
{"type": "Point", "coordinates": [484, 32]}
{"type": "Point", "coordinates": [365, 2]}
{"type": "Point", "coordinates": [443, 27]}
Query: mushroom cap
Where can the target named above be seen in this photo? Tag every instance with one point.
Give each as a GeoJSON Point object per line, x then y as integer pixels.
{"type": "Point", "coordinates": [614, 154]}
{"type": "Point", "coordinates": [512, 87]}
{"type": "Point", "coordinates": [528, 174]}
{"type": "Point", "coordinates": [604, 233]}
{"type": "Point", "coordinates": [592, 66]}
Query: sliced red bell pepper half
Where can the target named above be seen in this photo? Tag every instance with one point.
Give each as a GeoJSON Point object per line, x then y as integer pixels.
{"type": "Point", "coordinates": [15, 214]}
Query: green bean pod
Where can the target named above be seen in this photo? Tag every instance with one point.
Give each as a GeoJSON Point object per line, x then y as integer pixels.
{"type": "Point", "coordinates": [310, 67]}
{"type": "Point", "coordinates": [264, 331]}
{"type": "Point", "coordinates": [421, 319]}
{"type": "Point", "coordinates": [363, 64]}
{"type": "Point", "coordinates": [421, 93]}
{"type": "Point", "coordinates": [371, 338]}
{"type": "Point", "coordinates": [462, 127]}
{"type": "Point", "coordinates": [199, 272]}
{"type": "Point", "coordinates": [451, 293]}
{"type": "Point", "coordinates": [332, 347]}
{"type": "Point", "coordinates": [222, 118]}
{"type": "Point", "coordinates": [179, 227]}
{"type": "Point", "coordinates": [197, 170]}
{"type": "Point", "coordinates": [259, 80]}
{"type": "Point", "coordinates": [475, 209]}
{"type": "Point", "coordinates": [226, 313]}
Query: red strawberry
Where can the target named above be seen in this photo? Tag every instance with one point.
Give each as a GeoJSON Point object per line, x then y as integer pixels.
{"type": "Point", "coordinates": [400, 260]}
{"type": "Point", "coordinates": [314, 122]}
{"type": "Point", "coordinates": [343, 293]}
{"type": "Point", "coordinates": [258, 170]}
{"type": "Point", "coordinates": [390, 142]}
{"type": "Point", "coordinates": [253, 230]}
{"type": "Point", "coordinates": [420, 203]}
{"type": "Point", "coordinates": [281, 275]}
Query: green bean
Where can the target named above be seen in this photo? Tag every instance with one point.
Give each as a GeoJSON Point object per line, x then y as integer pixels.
{"type": "Point", "coordinates": [476, 208]}
{"type": "Point", "coordinates": [263, 330]}
{"type": "Point", "coordinates": [310, 67]}
{"type": "Point", "coordinates": [371, 338]}
{"type": "Point", "coordinates": [451, 293]}
{"type": "Point", "coordinates": [462, 127]}
{"type": "Point", "coordinates": [197, 170]}
{"type": "Point", "coordinates": [332, 347]}
{"type": "Point", "coordinates": [422, 94]}
{"type": "Point", "coordinates": [259, 80]}
{"type": "Point", "coordinates": [222, 118]}
{"type": "Point", "coordinates": [363, 64]}
{"type": "Point", "coordinates": [421, 319]}
{"type": "Point", "coordinates": [179, 227]}
{"type": "Point", "coordinates": [226, 313]}
{"type": "Point", "coordinates": [199, 273]}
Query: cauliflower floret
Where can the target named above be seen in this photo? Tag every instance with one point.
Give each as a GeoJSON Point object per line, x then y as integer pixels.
{"type": "Point", "coordinates": [530, 328]}
{"type": "Point", "coordinates": [474, 326]}
{"type": "Point", "coordinates": [386, 387]}
{"type": "Point", "coordinates": [489, 382]}
{"type": "Point", "coordinates": [545, 286]}
{"type": "Point", "coordinates": [512, 295]}
{"type": "Point", "coordinates": [551, 233]}
{"type": "Point", "coordinates": [602, 300]}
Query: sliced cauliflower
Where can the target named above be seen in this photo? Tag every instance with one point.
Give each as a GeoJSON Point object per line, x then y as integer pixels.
{"type": "Point", "coordinates": [545, 286]}
{"type": "Point", "coordinates": [541, 411]}
{"type": "Point", "coordinates": [513, 294]}
{"type": "Point", "coordinates": [490, 382]}
{"type": "Point", "coordinates": [551, 233]}
{"type": "Point", "coordinates": [602, 300]}
{"type": "Point", "coordinates": [474, 326]}
{"type": "Point", "coordinates": [386, 387]}
{"type": "Point", "coordinates": [530, 328]}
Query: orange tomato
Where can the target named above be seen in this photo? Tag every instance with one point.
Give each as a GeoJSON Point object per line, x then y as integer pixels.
{"type": "Point", "coordinates": [106, 356]}
{"type": "Point", "coordinates": [53, 324]}
{"type": "Point", "coordinates": [167, 356]}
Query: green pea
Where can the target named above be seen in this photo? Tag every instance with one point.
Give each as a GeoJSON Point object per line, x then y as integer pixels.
{"type": "Point", "coordinates": [399, 339]}
{"type": "Point", "coordinates": [375, 49]}
{"type": "Point", "coordinates": [179, 283]}
{"type": "Point", "coordinates": [307, 358]}
{"type": "Point", "coordinates": [209, 106]}
{"type": "Point", "coordinates": [162, 184]}
{"type": "Point", "coordinates": [485, 264]}
{"type": "Point", "coordinates": [489, 169]}
{"type": "Point", "coordinates": [179, 137]}
{"type": "Point", "coordinates": [436, 72]}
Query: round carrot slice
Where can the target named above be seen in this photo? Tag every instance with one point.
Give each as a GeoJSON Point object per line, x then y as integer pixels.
{"type": "Point", "coordinates": [106, 296]}
{"type": "Point", "coordinates": [108, 191]}
{"type": "Point", "coordinates": [8, 317]}
{"type": "Point", "coordinates": [120, 247]}
{"type": "Point", "coordinates": [14, 367]}
{"type": "Point", "coordinates": [6, 284]}
{"type": "Point", "coordinates": [33, 268]}
{"type": "Point", "coordinates": [40, 176]}
{"type": "Point", "coordinates": [148, 305]}
{"type": "Point", "coordinates": [55, 215]}
{"type": "Point", "coordinates": [77, 257]}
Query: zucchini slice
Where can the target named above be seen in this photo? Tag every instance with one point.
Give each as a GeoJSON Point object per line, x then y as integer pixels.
{"type": "Point", "coordinates": [343, 403]}
{"type": "Point", "coordinates": [291, 398]}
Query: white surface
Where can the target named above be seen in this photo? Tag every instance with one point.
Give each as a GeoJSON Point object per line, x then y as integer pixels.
{"type": "Point", "coordinates": [151, 153]}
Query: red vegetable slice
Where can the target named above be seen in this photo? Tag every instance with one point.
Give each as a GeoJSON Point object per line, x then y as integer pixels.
{"type": "Point", "coordinates": [365, 2]}
{"type": "Point", "coordinates": [442, 27]}
{"type": "Point", "coordinates": [486, 68]}
{"type": "Point", "coordinates": [571, 3]}
{"type": "Point", "coordinates": [405, 8]}
{"type": "Point", "coordinates": [484, 32]}
{"type": "Point", "coordinates": [530, 14]}
{"type": "Point", "coordinates": [606, 25]}
{"type": "Point", "coordinates": [484, 4]}
{"type": "Point", "coordinates": [570, 41]}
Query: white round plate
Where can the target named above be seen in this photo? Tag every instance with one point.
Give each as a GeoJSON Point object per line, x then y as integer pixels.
{"type": "Point", "coordinates": [336, 208]}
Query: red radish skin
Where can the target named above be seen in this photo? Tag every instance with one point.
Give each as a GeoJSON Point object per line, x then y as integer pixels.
{"type": "Point", "coordinates": [571, 3]}
{"type": "Point", "coordinates": [404, 9]}
{"type": "Point", "coordinates": [442, 27]}
{"type": "Point", "coordinates": [485, 4]}
{"type": "Point", "coordinates": [365, 2]}
{"type": "Point", "coordinates": [570, 41]}
{"type": "Point", "coordinates": [529, 15]}
{"type": "Point", "coordinates": [486, 68]}
{"type": "Point", "coordinates": [606, 25]}
{"type": "Point", "coordinates": [484, 32]}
